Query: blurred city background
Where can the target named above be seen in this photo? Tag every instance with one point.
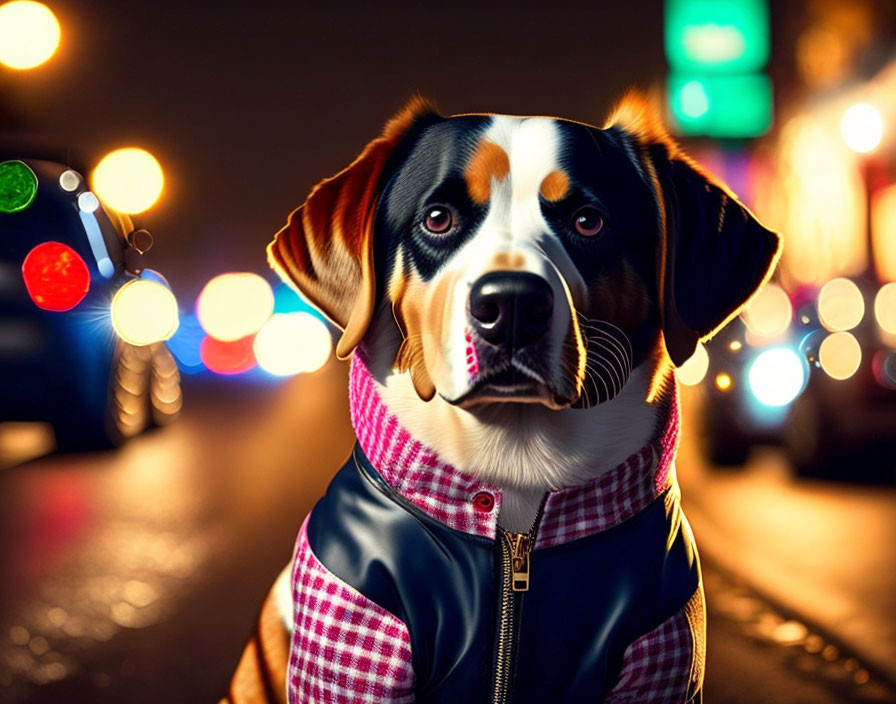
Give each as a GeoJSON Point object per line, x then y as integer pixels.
{"type": "Point", "coordinates": [169, 412]}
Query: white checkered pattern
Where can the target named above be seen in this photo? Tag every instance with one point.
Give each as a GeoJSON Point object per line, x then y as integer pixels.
{"type": "Point", "coordinates": [659, 667]}
{"type": "Point", "coordinates": [345, 648]}
{"type": "Point", "coordinates": [446, 493]}
{"type": "Point", "coordinates": [412, 469]}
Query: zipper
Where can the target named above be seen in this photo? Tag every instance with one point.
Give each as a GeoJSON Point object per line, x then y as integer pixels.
{"type": "Point", "coordinates": [516, 549]}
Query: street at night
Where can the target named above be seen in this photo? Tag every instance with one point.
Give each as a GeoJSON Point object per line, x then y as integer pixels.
{"type": "Point", "coordinates": [137, 575]}
{"type": "Point", "coordinates": [513, 253]}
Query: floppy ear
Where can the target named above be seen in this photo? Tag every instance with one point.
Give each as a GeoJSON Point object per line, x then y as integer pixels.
{"type": "Point", "coordinates": [326, 248]}
{"type": "Point", "coordinates": [714, 253]}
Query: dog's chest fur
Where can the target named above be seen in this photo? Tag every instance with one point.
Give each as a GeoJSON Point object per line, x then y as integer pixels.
{"type": "Point", "coordinates": [531, 449]}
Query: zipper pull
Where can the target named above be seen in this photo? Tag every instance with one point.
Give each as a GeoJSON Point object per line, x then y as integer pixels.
{"type": "Point", "coordinates": [520, 545]}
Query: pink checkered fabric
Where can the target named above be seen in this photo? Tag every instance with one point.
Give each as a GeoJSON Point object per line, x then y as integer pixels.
{"type": "Point", "coordinates": [414, 470]}
{"type": "Point", "coordinates": [657, 668]}
{"type": "Point", "coordinates": [345, 648]}
{"type": "Point", "coordinates": [619, 494]}
{"type": "Point", "coordinates": [447, 493]}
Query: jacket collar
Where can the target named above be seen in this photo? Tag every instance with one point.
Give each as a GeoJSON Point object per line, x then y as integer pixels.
{"type": "Point", "coordinates": [465, 503]}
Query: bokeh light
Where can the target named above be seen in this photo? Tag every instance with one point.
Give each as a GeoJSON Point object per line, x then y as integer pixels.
{"type": "Point", "coordinates": [776, 376]}
{"type": "Point", "coordinates": [840, 355]}
{"type": "Point", "coordinates": [883, 232]}
{"type": "Point", "coordinates": [694, 369]}
{"type": "Point", "coordinates": [232, 306]}
{"type": "Point", "coordinates": [56, 277]}
{"type": "Point", "coordinates": [885, 307]}
{"type": "Point", "coordinates": [227, 357]}
{"type": "Point", "coordinates": [18, 186]}
{"type": "Point", "coordinates": [29, 34]}
{"type": "Point", "coordinates": [185, 342]}
{"type": "Point", "coordinates": [88, 202]}
{"type": "Point", "coordinates": [862, 127]}
{"type": "Point", "coordinates": [769, 313]}
{"type": "Point", "coordinates": [144, 312]}
{"type": "Point", "coordinates": [817, 197]}
{"type": "Point", "coordinates": [884, 368]}
{"type": "Point", "coordinates": [723, 381]}
{"type": "Point", "coordinates": [694, 101]}
{"type": "Point", "coordinates": [69, 180]}
{"type": "Point", "coordinates": [288, 300]}
{"type": "Point", "coordinates": [129, 180]}
{"type": "Point", "coordinates": [840, 305]}
{"type": "Point", "coordinates": [290, 343]}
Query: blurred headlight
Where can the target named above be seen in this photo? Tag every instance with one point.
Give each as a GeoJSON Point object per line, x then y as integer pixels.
{"type": "Point", "coordinates": [776, 376]}
{"type": "Point", "coordinates": [144, 312]}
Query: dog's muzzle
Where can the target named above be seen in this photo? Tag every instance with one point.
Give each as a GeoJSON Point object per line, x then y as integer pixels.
{"type": "Point", "coordinates": [510, 316]}
{"type": "Point", "coordinates": [511, 309]}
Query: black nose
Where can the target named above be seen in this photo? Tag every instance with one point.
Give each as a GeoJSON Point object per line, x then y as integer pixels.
{"type": "Point", "coordinates": [511, 308]}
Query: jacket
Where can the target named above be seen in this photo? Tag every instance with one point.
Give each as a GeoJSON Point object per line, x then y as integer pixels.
{"type": "Point", "coordinates": [406, 589]}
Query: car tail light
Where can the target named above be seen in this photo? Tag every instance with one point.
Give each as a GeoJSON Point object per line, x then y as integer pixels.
{"type": "Point", "coordinates": [56, 276]}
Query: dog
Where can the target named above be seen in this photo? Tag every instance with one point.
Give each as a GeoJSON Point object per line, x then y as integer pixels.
{"type": "Point", "coordinates": [514, 294]}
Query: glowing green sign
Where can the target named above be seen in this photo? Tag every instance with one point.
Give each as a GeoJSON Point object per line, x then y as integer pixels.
{"type": "Point", "coordinates": [721, 106]}
{"type": "Point", "coordinates": [717, 36]}
{"type": "Point", "coordinates": [18, 186]}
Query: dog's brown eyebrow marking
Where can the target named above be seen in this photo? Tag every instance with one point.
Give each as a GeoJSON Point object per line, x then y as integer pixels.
{"type": "Point", "coordinates": [555, 185]}
{"type": "Point", "coordinates": [489, 161]}
{"type": "Point", "coordinates": [503, 261]}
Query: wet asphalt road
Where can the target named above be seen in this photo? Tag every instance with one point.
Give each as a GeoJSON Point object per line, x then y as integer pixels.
{"type": "Point", "coordinates": [136, 575]}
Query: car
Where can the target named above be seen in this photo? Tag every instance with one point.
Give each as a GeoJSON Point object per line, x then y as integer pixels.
{"type": "Point", "coordinates": [823, 385]}
{"type": "Point", "coordinates": [843, 424]}
{"type": "Point", "coordinates": [65, 261]}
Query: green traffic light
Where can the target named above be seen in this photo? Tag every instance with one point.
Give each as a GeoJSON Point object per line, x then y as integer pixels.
{"type": "Point", "coordinates": [721, 106]}
{"type": "Point", "coordinates": [716, 36]}
{"type": "Point", "coordinates": [18, 186]}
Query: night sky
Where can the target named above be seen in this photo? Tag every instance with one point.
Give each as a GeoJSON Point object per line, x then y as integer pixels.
{"type": "Point", "coordinates": [247, 106]}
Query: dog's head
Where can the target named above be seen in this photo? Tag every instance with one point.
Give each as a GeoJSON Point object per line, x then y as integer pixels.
{"type": "Point", "coordinates": [525, 260]}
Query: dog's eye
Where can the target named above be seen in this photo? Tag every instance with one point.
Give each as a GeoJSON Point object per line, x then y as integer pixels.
{"type": "Point", "coordinates": [588, 221]}
{"type": "Point", "coordinates": [439, 219]}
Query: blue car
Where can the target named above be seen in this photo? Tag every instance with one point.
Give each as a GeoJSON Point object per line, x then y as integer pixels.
{"type": "Point", "coordinates": [63, 257]}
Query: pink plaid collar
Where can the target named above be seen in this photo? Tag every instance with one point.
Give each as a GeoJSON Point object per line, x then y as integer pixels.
{"type": "Point", "coordinates": [465, 503]}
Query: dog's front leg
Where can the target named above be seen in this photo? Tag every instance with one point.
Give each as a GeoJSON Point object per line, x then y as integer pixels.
{"type": "Point", "coordinates": [345, 648]}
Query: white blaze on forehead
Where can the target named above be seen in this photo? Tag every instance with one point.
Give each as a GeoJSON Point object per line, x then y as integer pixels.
{"type": "Point", "coordinates": [533, 147]}
{"type": "Point", "coordinates": [514, 222]}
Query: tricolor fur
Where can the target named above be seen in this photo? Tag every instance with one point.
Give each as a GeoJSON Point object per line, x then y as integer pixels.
{"type": "Point", "coordinates": [676, 257]}
{"type": "Point", "coordinates": [636, 253]}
